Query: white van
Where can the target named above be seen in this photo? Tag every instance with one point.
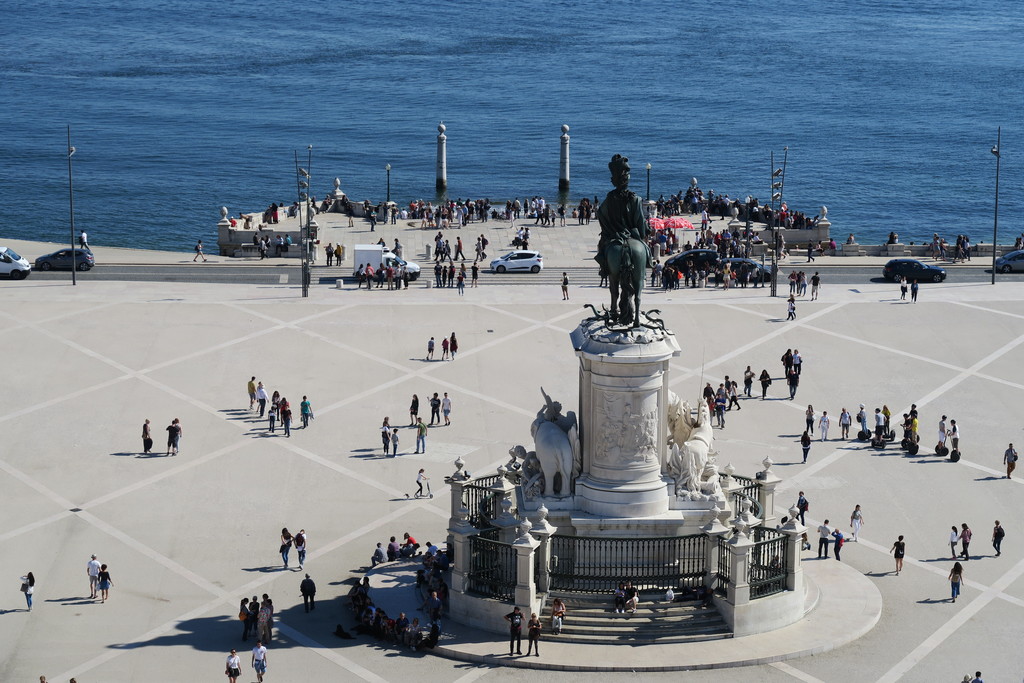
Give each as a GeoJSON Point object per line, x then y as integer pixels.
{"type": "Point", "coordinates": [13, 265]}
{"type": "Point", "coordinates": [377, 254]}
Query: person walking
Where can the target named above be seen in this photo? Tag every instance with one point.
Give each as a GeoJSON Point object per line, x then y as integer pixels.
{"type": "Point", "coordinates": [272, 417]}
{"type": "Point", "coordinates": [956, 579]}
{"type": "Point", "coordinates": [262, 398]}
{"type": "Point", "coordinates": [414, 410]}
{"type": "Point", "coordinates": [259, 660]}
{"type": "Point", "coordinates": [965, 541]}
{"type": "Point", "coordinates": [286, 416]}
{"type": "Point", "coordinates": [793, 380]}
{"type": "Point", "coordinates": [444, 348]}
{"type": "Point", "coordinates": [997, 542]}
{"type": "Point", "coordinates": [232, 667]}
{"type": "Point", "coordinates": [446, 409]}
{"type": "Point", "coordinates": [954, 537]}
{"type": "Point", "coordinates": [515, 629]}
{"type": "Point", "coordinates": [28, 587]}
{"type": "Point", "coordinates": [173, 436]}
{"type": "Point", "coordinates": [430, 349]}
{"type": "Point", "coordinates": [856, 521]}
{"type": "Point", "coordinates": [421, 436]}
{"type": "Point", "coordinates": [565, 287]}
{"type": "Point", "coordinates": [250, 388]}
{"type": "Point", "coordinates": [453, 345]}
{"type": "Point", "coordinates": [435, 409]}
{"type": "Point", "coordinates": [147, 438]}
{"type": "Point", "coordinates": [300, 546]}
{"type": "Point", "coordinates": [199, 252]}
{"type": "Point", "coordinates": [104, 582]}
{"type": "Point", "coordinates": [93, 570]}
{"type": "Point", "coordinates": [823, 425]}
{"type": "Point", "coordinates": [83, 240]}
{"type": "Point", "coordinates": [845, 420]}
{"type": "Point", "coordinates": [308, 589]}
{"type": "Point", "coordinates": [286, 545]}
{"type": "Point", "coordinates": [913, 291]}
{"type": "Point", "coordinates": [1009, 459]}
{"type": "Point", "coordinates": [533, 636]}
{"type": "Point", "coordinates": [791, 308]}
{"type": "Point", "coordinates": [247, 616]}
{"type": "Point", "coordinates": [421, 478]}
{"type": "Point", "coordinates": [394, 442]}
{"type": "Point", "coordinates": [815, 283]}
{"type": "Point", "coordinates": [803, 505]}
{"type": "Point", "coordinates": [809, 418]}
{"type": "Point", "coordinates": [805, 443]}
{"type": "Point", "coordinates": [766, 381]}
{"type": "Point", "coordinates": [898, 550]}
{"type": "Point", "coordinates": [903, 288]}
{"type": "Point", "coordinates": [306, 409]}
{"type": "Point", "coordinates": [824, 533]}
{"type": "Point", "coordinates": [748, 381]}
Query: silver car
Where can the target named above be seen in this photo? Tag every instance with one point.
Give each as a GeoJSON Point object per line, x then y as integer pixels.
{"type": "Point", "coordinates": [1013, 261]}
{"type": "Point", "coordinates": [518, 260]}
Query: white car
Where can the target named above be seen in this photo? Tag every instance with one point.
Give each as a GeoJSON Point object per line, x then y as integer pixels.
{"type": "Point", "coordinates": [13, 264]}
{"type": "Point", "coordinates": [518, 260]}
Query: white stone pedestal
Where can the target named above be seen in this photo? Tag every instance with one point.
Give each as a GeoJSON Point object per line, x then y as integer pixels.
{"type": "Point", "coordinates": [623, 401]}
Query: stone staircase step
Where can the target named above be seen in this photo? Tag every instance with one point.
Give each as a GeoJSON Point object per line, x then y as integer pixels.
{"type": "Point", "coordinates": [633, 639]}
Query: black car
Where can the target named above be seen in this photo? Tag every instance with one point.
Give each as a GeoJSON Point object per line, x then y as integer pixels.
{"type": "Point", "coordinates": [698, 257]}
{"type": "Point", "coordinates": [912, 269]}
{"type": "Point", "coordinates": [61, 260]}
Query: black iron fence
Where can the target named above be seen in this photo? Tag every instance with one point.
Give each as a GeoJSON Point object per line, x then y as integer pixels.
{"type": "Point", "coordinates": [492, 569]}
{"type": "Point", "coordinates": [593, 564]}
{"type": "Point", "coordinates": [483, 503]}
{"type": "Point", "coordinates": [722, 576]}
{"type": "Point", "coordinates": [749, 489]}
{"type": "Point", "coordinates": [767, 569]}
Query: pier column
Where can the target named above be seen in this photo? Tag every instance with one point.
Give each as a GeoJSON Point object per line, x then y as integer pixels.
{"type": "Point", "coordinates": [766, 491]}
{"type": "Point", "coordinates": [563, 161]}
{"type": "Point", "coordinates": [442, 159]}
{"type": "Point", "coordinates": [794, 531]}
{"type": "Point", "coordinates": [543, 531]}
{"type": "Point", "coordinates": [526, 587]}
{"type": "Point", "coordinates": [459, 534]}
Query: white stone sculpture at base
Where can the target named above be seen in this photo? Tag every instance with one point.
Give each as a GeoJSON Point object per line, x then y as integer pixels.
{"type": "Point", "coordinates": [692, 464]}
{"type": "Point", "coordinates": [556, 441]}
{"type": "Point", "coordinates": [531, 479]}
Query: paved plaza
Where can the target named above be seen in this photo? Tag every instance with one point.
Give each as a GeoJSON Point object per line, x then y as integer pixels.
{"type": "Point", "coordinates": [187, 537]}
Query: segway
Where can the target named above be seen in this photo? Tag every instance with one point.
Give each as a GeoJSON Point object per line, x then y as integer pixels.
{"type": "Point", "coordinates": [878, 441]}
{"type": "Point", "coordinates": [863, 435]}
{"type": "Point", "coordinates": [955, 455]}
{"type": "Point", "coordinates": [942, 451]}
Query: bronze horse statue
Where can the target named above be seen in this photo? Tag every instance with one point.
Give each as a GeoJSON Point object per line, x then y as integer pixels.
{"type": "Point", "coordinates": [623, 253]}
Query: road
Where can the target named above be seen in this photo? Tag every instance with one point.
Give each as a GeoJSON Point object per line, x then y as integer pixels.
{"type": "Point", "coordinates": [323, 276]}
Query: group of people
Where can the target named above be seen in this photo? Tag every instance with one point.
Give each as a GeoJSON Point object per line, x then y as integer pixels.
{"type": "Point", "coordinates": [174, 433]}
{"type": "Point", "coordinates": [279, 410]}
{"type": "Point", "coordinates": [449, 347]}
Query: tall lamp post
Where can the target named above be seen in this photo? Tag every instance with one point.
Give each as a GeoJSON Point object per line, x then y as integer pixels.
{"type": "Point", "coordinates": [71, 206]}
{"type": "Point", "coordinates": [388, 169]}
{"type": "Point", "coordinates": [778, 182]}
{"type": "Point", "coordinates": [303, 180]}
{"type": "Point", "coordinates": [995, 217]}
{"type": "Point", "coordinates": [648, 182]}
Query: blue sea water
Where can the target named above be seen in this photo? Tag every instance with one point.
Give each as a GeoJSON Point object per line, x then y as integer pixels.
{"type": "Point", "coordinates": [180, 106]}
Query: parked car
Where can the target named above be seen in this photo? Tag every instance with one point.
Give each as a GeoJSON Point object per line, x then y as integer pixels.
{"type": "Point", "coordinates": [1008, 263]}
{"type": "Point", "coordinates": [912, 269]}
{"type": "Point", "coordinates": [759, 272]}
{"type": "Point", "coordinates": [62, 260]}
{"type": "Point", "coordinates": [13, 264]}
{"type": "Point", "coordinates": [518, 260]}
{"type": "Point", "coordinates": [699, 257]}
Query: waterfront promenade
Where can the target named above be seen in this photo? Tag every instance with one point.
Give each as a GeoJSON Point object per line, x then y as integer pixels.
{"type": "Point", "coordinates": [187, 537]}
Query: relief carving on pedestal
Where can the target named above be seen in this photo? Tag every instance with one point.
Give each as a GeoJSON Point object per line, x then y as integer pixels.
{"type": "Point", "coordinates": [626, 433]}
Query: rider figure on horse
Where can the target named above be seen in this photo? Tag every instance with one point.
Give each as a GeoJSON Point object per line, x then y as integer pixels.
{"type": "Point", "coordinates": [623, 245]}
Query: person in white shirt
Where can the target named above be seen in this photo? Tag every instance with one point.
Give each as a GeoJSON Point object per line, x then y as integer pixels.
{"type": "Point", "coordinates": [823, 425]}
{"type": "Point", "coordinates": [954, 435]}
{"type": "Point", "coordinates": [93, 569]}
{"type": "Point", "coordinates": [824, 534]}
{"type": "Point", "coordinates": [259, 660]}
{"type": "Point", "coordinates": [446, 408]}
{"type": "Point", "coordinates": [856, 520]}
{"type": "Point", "coordinates": [233, 667]}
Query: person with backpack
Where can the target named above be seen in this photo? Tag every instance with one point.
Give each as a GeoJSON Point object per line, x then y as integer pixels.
{"type": "Point", "coordinates": [997, 538]}
{"type": "Point", "coordinates": [1009, 459]}
{"type": "Point", "coordinates": [803, 505]}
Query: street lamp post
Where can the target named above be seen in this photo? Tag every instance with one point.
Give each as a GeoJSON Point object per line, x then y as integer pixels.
{"type": "Point", "coordinates": [71, 206]}
{"type": "Point", "coordinates": [995, 217]}
{"type": "Point", "coordinates": [648, 182]}
{"type": "Point", "coordinates": [303, 179]}
{"type": "Point", "coordinates": [778, 182]}
{"type": "Point", "coordinates": [388, 169]}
